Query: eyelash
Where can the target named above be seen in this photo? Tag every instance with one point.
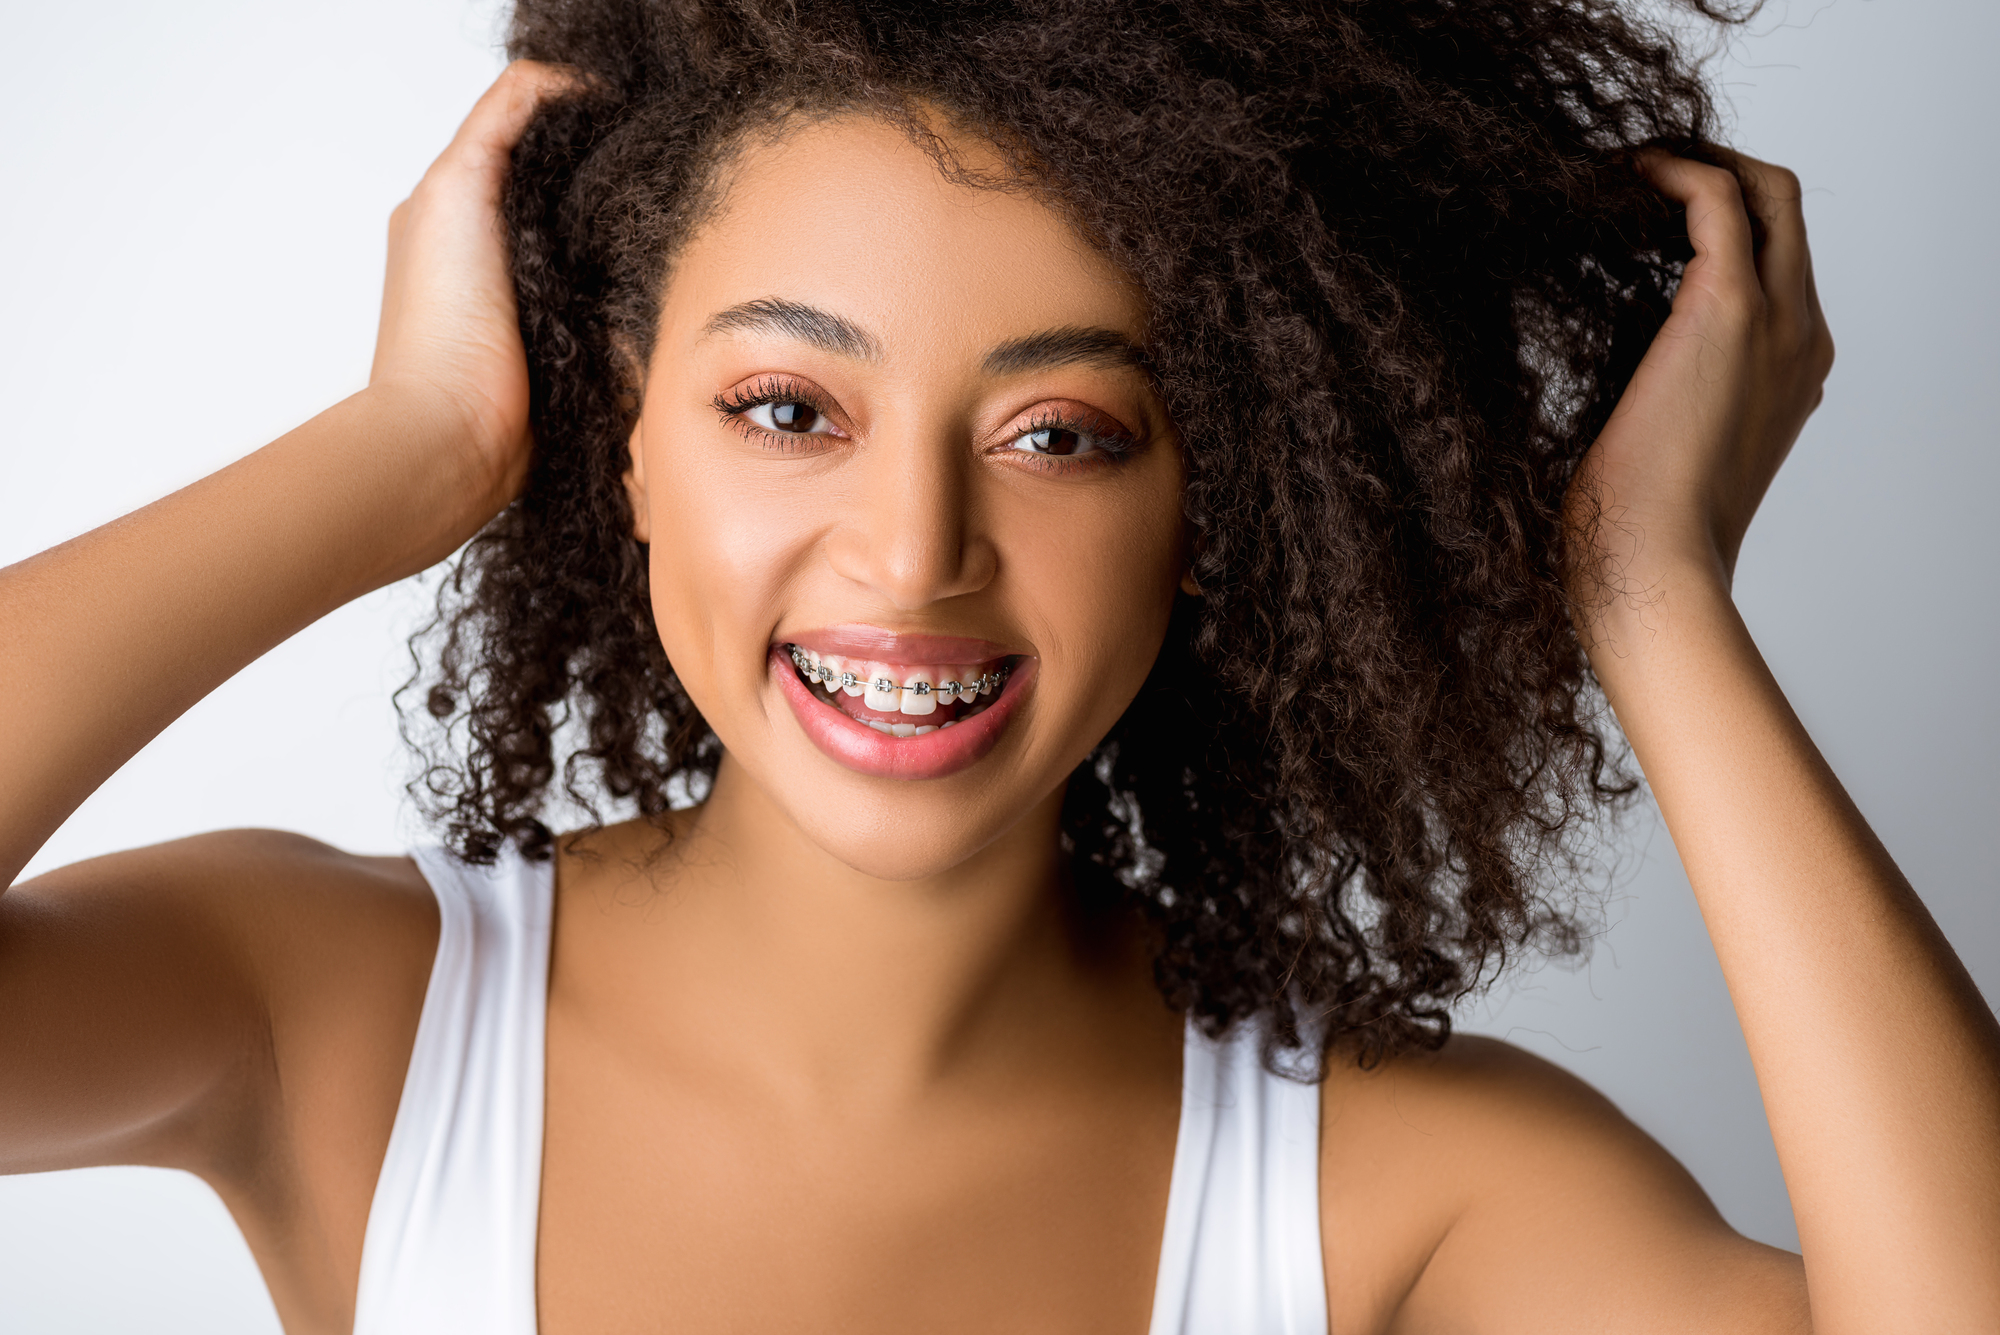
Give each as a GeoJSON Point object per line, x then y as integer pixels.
{"type": "Point", "coordinates": [771, 389]}
{"type": "Point", "coordinates": [1114, 446]}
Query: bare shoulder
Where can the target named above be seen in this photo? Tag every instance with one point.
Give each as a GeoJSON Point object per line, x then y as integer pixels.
{"type": "Point", "coordinates": [228, 867]}
{"type": "Point", "coordinates": [1482, 1189]}
{"type": "Point", "coordinates": [156, 1001]}
{"type": "Point", "coordinates": [272, 910]}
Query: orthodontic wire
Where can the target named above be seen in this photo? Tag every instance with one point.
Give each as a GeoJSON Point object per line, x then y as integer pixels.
{"type": "Point", "coordinates": [965, 691]}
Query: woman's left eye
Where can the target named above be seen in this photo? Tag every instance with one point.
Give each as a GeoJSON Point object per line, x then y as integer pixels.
{"type": "Point", "coordinates": [1063, 442]}
{"type": "Point", "coordinates": [789, 417]}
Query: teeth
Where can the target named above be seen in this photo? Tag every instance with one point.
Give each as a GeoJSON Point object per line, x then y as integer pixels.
{"type": "Point", "coordinates": [889, 689]}
{"type": "Point", "coordinates": [922, 729]}
{"type": "Point", "coordinates": [882, 692]}
{"type": "Point", "coordinates": [878, 725]}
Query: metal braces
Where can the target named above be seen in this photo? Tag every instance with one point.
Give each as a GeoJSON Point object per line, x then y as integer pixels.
{"type": "Point", "coordinates": [946, 690]}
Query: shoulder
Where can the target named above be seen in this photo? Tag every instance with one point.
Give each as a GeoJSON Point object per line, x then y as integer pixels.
{"type": "Point", "coordinates": [225, 863]}
{"type": "Point", "coordinates": [210, 979]}
{"type": "Point", "coordinates": [271, 900]}
{"type": "Point", "coordinates": [1482, 1188]}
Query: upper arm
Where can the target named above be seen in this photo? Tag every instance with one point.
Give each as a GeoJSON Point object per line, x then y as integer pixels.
{"type": "Point", "coordinates": [1484, 1190]}
{"type": "Point", "coordinates": [151, 1001]}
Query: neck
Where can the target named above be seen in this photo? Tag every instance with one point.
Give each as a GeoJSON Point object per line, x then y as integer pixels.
{"type": "Point", "coordinates": [836, 985]}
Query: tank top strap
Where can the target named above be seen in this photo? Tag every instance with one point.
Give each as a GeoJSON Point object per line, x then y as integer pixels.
{"type": "Point", "coordinates": [450, 1242]}
{"type": "Point", "coordinates": [1241, 1251]}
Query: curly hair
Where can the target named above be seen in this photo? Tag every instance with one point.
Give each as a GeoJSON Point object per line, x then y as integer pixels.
{"type": "Point", "coordinates": [1400, 263]}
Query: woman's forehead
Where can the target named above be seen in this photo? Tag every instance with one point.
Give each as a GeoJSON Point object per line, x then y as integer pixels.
{"type": "Point", "coordinates": [848, 217]}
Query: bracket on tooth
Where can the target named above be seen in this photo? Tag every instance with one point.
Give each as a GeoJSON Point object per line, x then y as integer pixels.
{"type": "Point", "coordinates": [964, 691]}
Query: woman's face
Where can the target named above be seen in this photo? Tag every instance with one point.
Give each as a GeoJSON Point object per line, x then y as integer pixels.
{"type": "Point", "coordinates": [894, 435]}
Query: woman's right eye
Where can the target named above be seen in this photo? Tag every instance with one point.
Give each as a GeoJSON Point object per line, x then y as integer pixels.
{"type": "Point", "coordinates": [789, 418]}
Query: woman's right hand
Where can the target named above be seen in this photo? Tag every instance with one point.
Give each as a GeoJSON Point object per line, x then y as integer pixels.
{"type": "Point", "coordinates": [449, 335]}
{"type": "Point", "coordinates": [149, 1000]}
{"type": "Point", "coordinates": [113, 634]}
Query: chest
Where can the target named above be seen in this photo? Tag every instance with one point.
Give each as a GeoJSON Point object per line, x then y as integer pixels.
{"type": "Point", "coordinates": [666, 1192]}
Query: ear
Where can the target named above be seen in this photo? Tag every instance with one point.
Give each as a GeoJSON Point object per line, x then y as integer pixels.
{"type": "Point", "coordinates": [635, 483]}
{"type": "Point", "coordinates": [1189, 538]}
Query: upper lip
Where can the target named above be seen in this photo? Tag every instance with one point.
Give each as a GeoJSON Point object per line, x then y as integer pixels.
{"type": "Point", "coordinates": [875, 644]}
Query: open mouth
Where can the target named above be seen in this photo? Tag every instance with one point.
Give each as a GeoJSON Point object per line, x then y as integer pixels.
{"type": "Point", "coordinates": [901, 700]}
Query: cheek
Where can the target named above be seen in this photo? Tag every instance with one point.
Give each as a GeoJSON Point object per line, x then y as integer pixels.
{"type": "Point", "coordinates": [724, 553]}
{"type": "Point", "coordinates": [1102, 575]}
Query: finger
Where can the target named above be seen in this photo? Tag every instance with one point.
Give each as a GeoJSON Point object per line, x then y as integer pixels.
{"type": "Point", "coordinates": [494, 125]}
{"type": "Point", "coordinates": [1814, 330]}
{"type": "Point", "coordinates": [1784, 265]}
{"type": "Point", "coordinates": [1717, 223]}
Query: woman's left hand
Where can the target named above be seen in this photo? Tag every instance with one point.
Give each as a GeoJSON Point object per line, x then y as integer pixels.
{"type": "Point", "coordinates": [1878, 1060]}
{"type": "Point", "coordinates": [1722, 392]}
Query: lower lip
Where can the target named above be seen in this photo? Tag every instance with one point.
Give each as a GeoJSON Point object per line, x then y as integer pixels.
{"type": "Point", "coordinates": [866, 751]}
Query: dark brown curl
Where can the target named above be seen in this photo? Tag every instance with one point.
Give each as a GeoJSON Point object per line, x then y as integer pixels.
{"type": "Point", "coordinates": [1400, 266]}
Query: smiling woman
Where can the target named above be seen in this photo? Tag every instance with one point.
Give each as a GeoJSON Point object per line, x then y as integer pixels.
{"type": "Point", "coordinates": [964, 448]}
{"type": "Point", "coordinates": [1367, 702]}
{"type": "Point", "coordinates": [1088, 535]}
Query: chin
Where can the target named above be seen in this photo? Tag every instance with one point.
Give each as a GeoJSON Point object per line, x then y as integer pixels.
{"type": "Point", "coordinates": [914, 845]}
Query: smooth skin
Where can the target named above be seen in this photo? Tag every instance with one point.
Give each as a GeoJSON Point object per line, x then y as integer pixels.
{"type": "Point", "coordinates": [843, 1062]}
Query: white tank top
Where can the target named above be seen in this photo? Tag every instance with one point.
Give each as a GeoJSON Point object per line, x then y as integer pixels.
{"type": "Point", "coordinates": [450, 1246]}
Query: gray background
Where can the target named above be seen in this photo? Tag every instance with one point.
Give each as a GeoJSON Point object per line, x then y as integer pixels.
{"type": "Point", "coordinates": [195, 202]}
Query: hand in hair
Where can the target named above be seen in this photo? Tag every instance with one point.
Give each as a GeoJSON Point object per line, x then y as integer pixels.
{"type": "Point", "coordinates": [1722, 393]}
{"type": "Point", "coordinates": [450, 333]}
{"type": "Point", "coordinates": [1877, 1058]}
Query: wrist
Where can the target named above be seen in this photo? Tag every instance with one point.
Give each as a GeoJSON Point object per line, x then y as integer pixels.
{"type": "Point", "coordinates": [455, 434]}
{"type": "Point", "coordinates": [1636, 616]}
{"type": "Point", "coordinates": [1622, 556]}
{"type": "Point", "coordinates": [408, 466]}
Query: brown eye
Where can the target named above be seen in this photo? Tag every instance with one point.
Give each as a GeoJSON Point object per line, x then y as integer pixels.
{"type": "Point", "coordinates": [792, 416]}
{"type": "Point", "coordinates": [1054, 440]}
{"type": "Point", "coordinates": [789, 417]}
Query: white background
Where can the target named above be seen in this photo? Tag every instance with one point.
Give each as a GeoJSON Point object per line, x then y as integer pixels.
{"type": "Point", "coordinates": [194, 202]}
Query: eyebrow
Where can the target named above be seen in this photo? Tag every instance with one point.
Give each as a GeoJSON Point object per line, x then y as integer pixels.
{"type": "Point", "coordinates": [794, 319]}
{"type": "Point", "coordinates": [1077, 344]}
{"type": "Point", "coordinates": [1066, 347]}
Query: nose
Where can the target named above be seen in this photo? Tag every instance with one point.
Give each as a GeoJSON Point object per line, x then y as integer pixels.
{"type": "Point", "coordinates": [913, 534]}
